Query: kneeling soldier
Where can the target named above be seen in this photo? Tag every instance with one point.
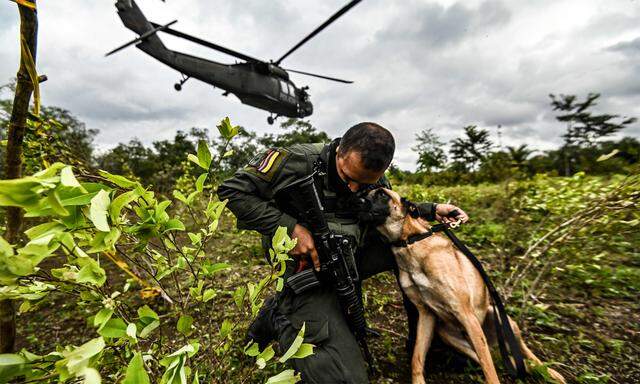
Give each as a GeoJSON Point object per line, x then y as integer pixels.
{"type": "Point", "coordinates": [345, 166]}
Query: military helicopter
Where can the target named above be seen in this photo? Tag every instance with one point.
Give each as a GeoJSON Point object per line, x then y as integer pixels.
{"type": "Point", "coordinates": [261, 84]}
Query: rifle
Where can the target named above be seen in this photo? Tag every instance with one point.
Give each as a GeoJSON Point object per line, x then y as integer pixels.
{"type": "Point", "coordinates": [337, 265]}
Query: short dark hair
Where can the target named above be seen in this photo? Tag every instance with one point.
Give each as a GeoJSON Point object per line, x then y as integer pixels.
{"type": "Point", "coordinates": [374, 143]}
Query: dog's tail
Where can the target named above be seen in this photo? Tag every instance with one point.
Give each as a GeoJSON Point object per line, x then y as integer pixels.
{"type": "Point", "coordinates": [479, 342]}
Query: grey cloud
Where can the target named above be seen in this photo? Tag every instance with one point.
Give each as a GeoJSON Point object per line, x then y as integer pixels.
{"type": "Point", "coordinates": [416, 64]}
{"type": "Point", "coordinates": [434, 25]}
{"type": "Point", "coordinates": [629, 48]}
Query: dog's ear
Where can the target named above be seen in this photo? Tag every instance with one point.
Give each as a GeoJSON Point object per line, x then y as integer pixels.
{"type": "Point", "coordinates": [410, 208]}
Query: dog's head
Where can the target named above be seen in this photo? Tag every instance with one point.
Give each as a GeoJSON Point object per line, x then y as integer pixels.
{"type": "Point", "coordinates": [388, 212]}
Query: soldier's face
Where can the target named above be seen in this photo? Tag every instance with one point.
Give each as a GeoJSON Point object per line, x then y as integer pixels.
{"type": "Point", "coordinates": [353, 173]}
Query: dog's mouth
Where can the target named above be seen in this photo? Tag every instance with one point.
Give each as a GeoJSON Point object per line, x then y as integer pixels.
{"type": "Point", "coordinates": [377, 207]}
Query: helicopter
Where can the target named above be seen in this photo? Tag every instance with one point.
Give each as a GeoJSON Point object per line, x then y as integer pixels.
{"type": "Point", "coordinates": [262, 84]}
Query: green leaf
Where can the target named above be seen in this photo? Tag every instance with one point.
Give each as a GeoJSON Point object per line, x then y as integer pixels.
{"type": "Point", "coordinates": [68, 179]}
{"type": "Point", "coordinates": [193, 158]}
{"type": "Point", "coordinates": [196, 238]}
{"type": "Point", "coordinates": [56, 205]}
{"type": "Point", "coordinates": [145, 312]}
{"type": "Point", "coordinates": [91, 376]}
{"type": "Point", "coordinates": [136, 373]}
{"type": "Point", "coordinates": [132, 330]}
{"type": "Point", "coordinates": [305, 350]}
{"type": "Point", "coordinates": [6, 249]}
{"type": "Point", "coordinates": [90, 272]}
{"type": "Point", "coordinates": [200, 182]}
{"type": "Point", "coordinates": [215, 209]}
{"type": "Point", "coordinates": [10, 359]}
{"type": "Point", "coordinates": [208, 295]}
{"type": "Point", "coordinates": [184, 325]}
{"type": "Point", "coordinates": [118, 180]}
{"type": "Point", "coordinates": [265, 356]}
{"type": "Point", "coordinates": [43, 230]}
{"type": "Point", "coordinates": [174, 225]}
{"type": "Point", "coordinates": [178, 195]}
{"type": "Point", "coordinates": [76, 360]}
{"type": "Point", "coordinates": [113, 328]}
{"type": "Point", "coordinates": [294, 346]}
{"type": "Point", "coordinates": [238, 295]}
{"type": "Point", "coordinates": [98, 210]}
{"type": "Point", "coordinates": [204, 154]}
{"type": "Point", "coordinates": [149, 328]}
{"type": "Point", "coordinates": [225, 328]}
{"type": "Point", "coordinates": [226, 130]}
{"type": "Point", "coordinates": [285, 377]}
{"type": "Point", "coordinates": [210, 269]}
{"type": "Point", "coordinates": [102, 317]}
{"type": "Point", "coordinates": [149, 320]}
{"type": "Point", "coordinates": [120, 202]}
{"type": "Point", "coordinates": [252, 350]}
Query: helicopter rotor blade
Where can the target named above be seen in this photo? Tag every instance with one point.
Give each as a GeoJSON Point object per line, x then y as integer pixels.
{"type": "Point", "coordinates": [320, 76]}
{"type": "Point", "coordinates": [156, 28]}
{"type": "Point", "coordinates": [208, 44]}
{"type": "Point", "coordinates": [330, 20]}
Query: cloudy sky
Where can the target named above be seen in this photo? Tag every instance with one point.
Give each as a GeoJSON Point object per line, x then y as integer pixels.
{"type": "Point", "coordinates": [416, 64]}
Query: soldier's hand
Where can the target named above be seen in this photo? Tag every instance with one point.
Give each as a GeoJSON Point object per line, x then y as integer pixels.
{"type": "Point", "coordinates": [305, 245]}
{"type": "Point", "coordinates": [444, 210]}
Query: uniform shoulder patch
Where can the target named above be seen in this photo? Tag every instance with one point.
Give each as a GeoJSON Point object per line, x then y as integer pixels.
{"type": "Point", "coordinates": [265, 165]}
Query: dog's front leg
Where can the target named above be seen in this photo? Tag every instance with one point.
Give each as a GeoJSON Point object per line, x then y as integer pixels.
{"type": "Point", "coordinates": [424, 328]}
{"type": "Point", "coordinates": [424, 335]}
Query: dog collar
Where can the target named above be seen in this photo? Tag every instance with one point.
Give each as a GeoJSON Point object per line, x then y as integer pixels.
{"type": "Point", "coordinates": [418, 237]}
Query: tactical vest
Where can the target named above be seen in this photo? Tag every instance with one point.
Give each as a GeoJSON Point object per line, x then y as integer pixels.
{"type": "Point", "coordinates": [338, 221]}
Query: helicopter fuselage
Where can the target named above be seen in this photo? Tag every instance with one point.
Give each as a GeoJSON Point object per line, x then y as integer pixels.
{"type": "Point", "coordinates": [262, 86]}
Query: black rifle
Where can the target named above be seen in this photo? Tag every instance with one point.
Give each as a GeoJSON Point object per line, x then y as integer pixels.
{"type": "Point", "coordinates": [336, 259]}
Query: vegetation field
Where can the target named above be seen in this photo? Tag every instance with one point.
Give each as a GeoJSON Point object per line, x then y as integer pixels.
{"type": "Point", "coordinates": [564, 252]}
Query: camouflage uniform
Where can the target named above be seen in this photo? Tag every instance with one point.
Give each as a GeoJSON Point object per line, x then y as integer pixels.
{"type": "Point", "coordinates": [253, 198]}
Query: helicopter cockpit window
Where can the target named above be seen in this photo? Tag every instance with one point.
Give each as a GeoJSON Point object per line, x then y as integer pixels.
{"type": "Point", "coordinates": [292, 90]}
{"type": "Point", "coordinates": [284, 87]}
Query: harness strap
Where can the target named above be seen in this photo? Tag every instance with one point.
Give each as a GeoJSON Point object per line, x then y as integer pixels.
{"type": "Point", "coordinates": [506, 336]}
{"type": "Point", "coordinates": [421, 236]}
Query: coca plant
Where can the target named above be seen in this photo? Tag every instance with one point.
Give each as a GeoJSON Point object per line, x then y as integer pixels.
{"type": "Point", "coordinates": [143, 269]}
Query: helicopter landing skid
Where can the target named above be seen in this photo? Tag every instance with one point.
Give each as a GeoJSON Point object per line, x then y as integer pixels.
{"type": "Point", "coordinates": [178, 86]}
{"type": "Point", "coordinates": [271, 119]}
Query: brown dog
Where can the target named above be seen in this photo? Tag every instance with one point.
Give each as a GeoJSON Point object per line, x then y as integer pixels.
{"type": "Point", "coordinates": [448, 291]}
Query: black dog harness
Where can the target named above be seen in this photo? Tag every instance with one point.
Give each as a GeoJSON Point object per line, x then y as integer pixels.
{"type": "Point", "coordinates": [507, 342]}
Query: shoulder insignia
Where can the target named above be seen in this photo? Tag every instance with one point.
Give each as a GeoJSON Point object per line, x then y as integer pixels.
{"type": "Point", "coordinates": [266, 164]}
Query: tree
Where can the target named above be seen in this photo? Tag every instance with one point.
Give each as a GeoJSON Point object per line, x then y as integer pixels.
{"type": "Point", "coordinates": [519, 155]}
{"type": "Point", "coordinates": [300, 131]}
{"type": "Point", "coordinates": [26, 84]}
{"type": "Point", "coordinates": [470, 151]}
{"type": "Point", "coordinates": [584, 128]}
{"type": "Point", "coordinates": [431, 156]}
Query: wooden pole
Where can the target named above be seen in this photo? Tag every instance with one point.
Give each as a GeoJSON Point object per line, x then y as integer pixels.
{"type": "Point", "coordinates": [13, 160]}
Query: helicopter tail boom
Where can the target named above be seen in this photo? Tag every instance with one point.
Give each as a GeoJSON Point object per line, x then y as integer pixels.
{"type": "Point", "coordinates": [133, 18]}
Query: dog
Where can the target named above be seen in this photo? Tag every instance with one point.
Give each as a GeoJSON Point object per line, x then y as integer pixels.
{"type": "Point", "coordinates": [447, 290]}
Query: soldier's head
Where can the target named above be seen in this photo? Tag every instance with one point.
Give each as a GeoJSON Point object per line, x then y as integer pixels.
{"type": "Point", "coordinates": [364, 153]}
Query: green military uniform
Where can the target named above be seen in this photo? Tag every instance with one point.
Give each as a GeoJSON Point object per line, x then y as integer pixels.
{"type": "Point", "coordinates": [253, 198]}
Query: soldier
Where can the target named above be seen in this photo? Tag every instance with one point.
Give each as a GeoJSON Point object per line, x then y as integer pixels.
{"type": "Point", "coordinates": [347, 165]}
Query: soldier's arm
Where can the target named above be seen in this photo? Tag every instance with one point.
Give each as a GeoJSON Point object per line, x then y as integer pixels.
{"type": "Point", "coordinates": [250, 192]}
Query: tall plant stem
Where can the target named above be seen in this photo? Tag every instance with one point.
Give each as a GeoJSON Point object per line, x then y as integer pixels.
{"type": "Point", "coordinates": [13, 160]}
